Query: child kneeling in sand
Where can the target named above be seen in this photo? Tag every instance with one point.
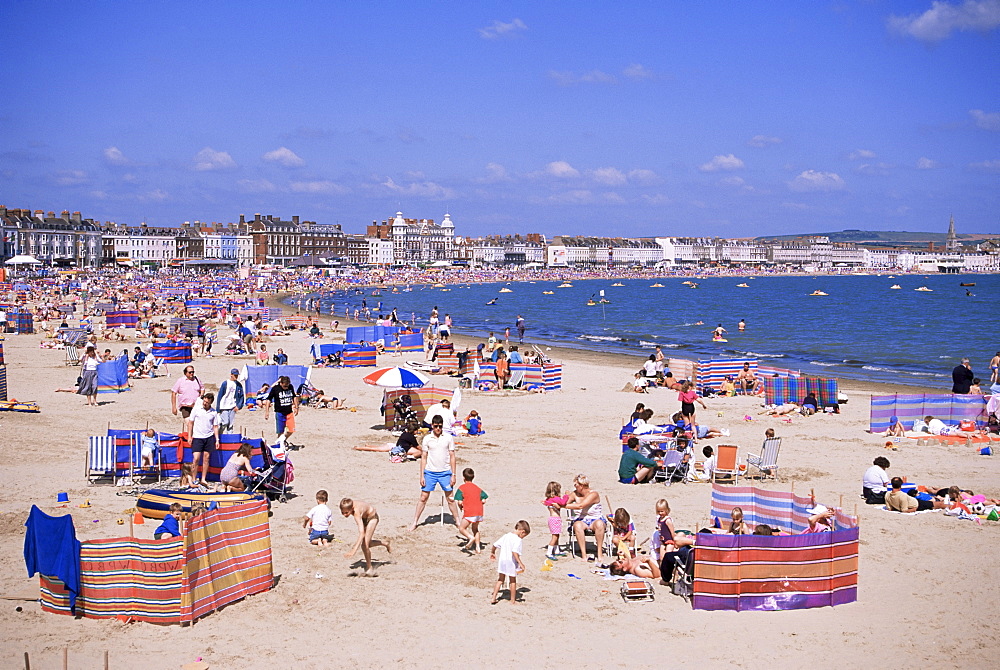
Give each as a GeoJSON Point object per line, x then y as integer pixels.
{"type": "Point", "coordinates": [367, 519]}
{"type": "Point", "coordinates": [318, 520]}
{"type": "Point", "coordinates": [509, 563]}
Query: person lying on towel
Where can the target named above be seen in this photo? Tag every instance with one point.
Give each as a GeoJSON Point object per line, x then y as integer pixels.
{"type": "Point", "coordinates": [898, 500]}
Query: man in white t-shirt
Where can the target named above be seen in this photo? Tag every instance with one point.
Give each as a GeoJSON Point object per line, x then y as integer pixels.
{"type": "Point", "coordinates": [437, 468]}
{"type": "Point", "coordinates": [231, 400]}
{"type": "Point", "coordinates": [203, 429]}
{"type": "Point", "coordinates": [443, 410]}
{"type": "Point", "coordinates": [710, 460]}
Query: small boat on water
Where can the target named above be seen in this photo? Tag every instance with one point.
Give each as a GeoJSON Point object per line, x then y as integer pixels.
{"type": "Point", "coordinates": [505, 290]}
{"type": "Point", "coordinates": [924, 288]}
{"type": "Point", "coordinates": [565, 284]}
{"type": "Point", "coordinates": [818, 292]}
{"type": "Point", "coordinates": [438, 285]}
{"type": "Point", "coordinates": [548, 292]}
{"type": "Point", "coordinates": [743, 285]}
{"type": "Point", "coordinates": [591, 303]}
{"type": "Point", "coordinates": [656, 286]}
{"type": "Point", "coordinates": [971, 283]}
{"type": "Point", "coordinates": [604, 301]}
{"type": "Point", "coordinates": [618, 284]}
{"type": "Point", "coordinates": [895, 286]}
{"type": "Point", "coordinates": [687, 283]}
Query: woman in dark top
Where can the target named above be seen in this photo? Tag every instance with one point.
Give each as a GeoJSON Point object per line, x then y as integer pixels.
{"type": "Point", "coordinates": [406, 445]}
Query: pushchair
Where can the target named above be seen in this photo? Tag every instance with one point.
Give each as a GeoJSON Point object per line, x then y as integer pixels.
{"type": "Point", "coordinates": [274, 479]}
{"type": "Point", "coordinates": [404, 413]}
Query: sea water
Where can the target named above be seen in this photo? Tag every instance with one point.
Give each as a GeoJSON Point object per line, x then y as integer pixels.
{"type": "Point", "coordinates": [862, 329]}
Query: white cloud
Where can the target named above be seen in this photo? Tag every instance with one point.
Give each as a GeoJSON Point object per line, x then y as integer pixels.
{"type": "Point", "coordinates": [424, 189]}
{"type": "Point", "coordinates": [874, 168]}
{"type": "Point", "coordinates": [643, 176]}
{"type": "Point", "coordinates": [608, 175]}
{"type": "Point", "coordinates": [858, 154]}
{"type": "Point", "coordinates": [575, 197]}
{"type": "Point", "coordinates": [561, 169]}
{"type": "Point", "coordinates": [591, 77]}
{"type": "Point", "coordinates": [70, 177]}
{"type": "Point", "coordinates": [944, 18]}
{"type": "Point", "coordinates": [156, 195]}
{"type": "Point", "coordinates": [926, 163]}
{"type": "Point", "coordinates": [285, 157]}
{"type": "Point", "coordinates": [255, 186]}
{"type": "Point", "coordinates": [114, 156]}
{"type": "Point", "coordinates": [501, 29]}
{"type": "Point", "coordinates": [985, 120]}
{"type": "Point", "coordinates": [320, 186]}
{"type": "Point", "coordinates": [495, 173]}
{"type": "Point", "coordinates": [738, 182]}
{"type": "Point", "coordinates": [813, 180]}
{"type": "Point", "coordinates": [727, 162]}
{"type": "Point", "coordinates": [612, 197]}
{"type": "Point", "coordinates": [209, 159]}
{"type": "Point", "coordinates": [761, 141]}
{"type": "Point", "coordinates": [986, 166]}
{"type": "Point", "coordinates": [638, 72]}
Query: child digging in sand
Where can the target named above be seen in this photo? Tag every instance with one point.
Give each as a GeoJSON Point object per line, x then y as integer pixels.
{"type": "Point", "coordinates": [318, 520]}
{"type": "Point", "coordinates": [367, 518]}
{"type": "Point", "coordinates": [509, 563]}
{"type": "Point", "coordinates": [470, 500]}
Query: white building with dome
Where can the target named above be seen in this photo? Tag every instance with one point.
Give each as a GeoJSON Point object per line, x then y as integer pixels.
{"type": "Point", "coordinates": [421, 240]}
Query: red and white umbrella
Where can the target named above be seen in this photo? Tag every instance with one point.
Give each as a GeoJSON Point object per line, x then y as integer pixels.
{"type": "Point", "coordinates": [397, 377]}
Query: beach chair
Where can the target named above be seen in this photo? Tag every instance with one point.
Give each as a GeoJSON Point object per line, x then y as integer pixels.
{"type": "Point", "coordinates": [516, 378]}
{"type": "Point", "coordinates": [726, 466]}
{"type": "Point", "coordinates": [136, 471]}
{"type": "Point", "coordinates": [100, 458]}
{"type": "Point", "coordinates": [159, 367]}
{"type": "Point", "coordinates": [767, 462]}
{"type": "Point", "coordinates": [541, 354]}
{"type": "Point", "coordinates": [72, 355]}
{"type": "Point", "coordinates": [571, 516]}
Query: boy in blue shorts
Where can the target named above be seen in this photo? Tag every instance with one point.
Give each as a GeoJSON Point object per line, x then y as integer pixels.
{"type": "Point", "coordinates": [318, 520]}
{"type": "Point", "coordinates": [437, 468]}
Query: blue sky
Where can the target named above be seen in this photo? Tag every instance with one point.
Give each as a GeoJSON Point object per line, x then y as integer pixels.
{"type": "Point", "coordinates": [633, 119]}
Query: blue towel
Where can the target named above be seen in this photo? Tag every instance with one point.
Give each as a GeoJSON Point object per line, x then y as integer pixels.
{"type": "Point", "coordinates": [51, 548]}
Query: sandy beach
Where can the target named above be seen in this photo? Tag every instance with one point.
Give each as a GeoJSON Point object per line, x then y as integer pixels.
{"type": "Point", "coordinates": [922, 578]}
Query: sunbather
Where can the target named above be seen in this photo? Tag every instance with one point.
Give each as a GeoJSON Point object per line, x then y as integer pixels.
{"type": "Point", "coordinates": [898, 500]}
{"type": "Point", "coordinates": [643, 567]}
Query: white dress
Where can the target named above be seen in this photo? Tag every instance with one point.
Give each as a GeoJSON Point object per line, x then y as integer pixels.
{"type": "Point", "coordinates": [508, 545]}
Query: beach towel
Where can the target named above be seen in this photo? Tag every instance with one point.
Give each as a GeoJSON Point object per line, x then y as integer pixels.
{"type": "Point", "coordinates": [51, 549]}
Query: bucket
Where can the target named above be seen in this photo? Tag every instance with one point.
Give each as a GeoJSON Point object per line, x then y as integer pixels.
{"type": "Point", "coordinates": [62, 497]}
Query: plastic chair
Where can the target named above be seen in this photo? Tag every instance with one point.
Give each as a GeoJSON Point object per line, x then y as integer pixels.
{"type": "Point", "coordinates": [726, 463]}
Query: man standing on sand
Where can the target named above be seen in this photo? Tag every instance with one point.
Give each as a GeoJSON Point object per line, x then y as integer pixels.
{"type": "Point", "coordinates": [519, 324]}
{"type": "Point", "coordinates": [230, 400]}
{"type": "Point", "coordinates": [437, 468]}
{"type": "Point", "coordinates": [961, 377]}
{"type": "Point", "coordinates": [203, 428]}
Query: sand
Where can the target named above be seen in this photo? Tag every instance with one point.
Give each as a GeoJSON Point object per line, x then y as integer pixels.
{"type": "Point", "coordinates": [927, 583]}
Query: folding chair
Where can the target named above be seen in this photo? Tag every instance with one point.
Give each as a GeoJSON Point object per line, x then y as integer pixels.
{"type": "Point", "coordinates": [726, 463]}
{"type": "Point", "coordinates": [136, 471]}
{"type": "Point", "coordinates": [100, 458]}
{"type": "Point", "coordinates": [72, 355]}
{"type": "Point", "coordinates": [588, 530]}
{"type": "Point", "coordinates": [767, 462]}
{"type": "Point", "coordinates": [516, 378]}
{"type": "Point", "coordinates": [160, 364]}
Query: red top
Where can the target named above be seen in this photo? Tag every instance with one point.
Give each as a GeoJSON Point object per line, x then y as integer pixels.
{"type": "Point", "coordinates": [472, 499]}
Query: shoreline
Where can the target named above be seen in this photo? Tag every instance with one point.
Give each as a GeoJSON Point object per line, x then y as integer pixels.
{"type": "Point", "coordinates": [615, 360]}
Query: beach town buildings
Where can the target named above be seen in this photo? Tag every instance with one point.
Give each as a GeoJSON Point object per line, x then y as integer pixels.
{"type": "Point", "coordinates": [69, 240]}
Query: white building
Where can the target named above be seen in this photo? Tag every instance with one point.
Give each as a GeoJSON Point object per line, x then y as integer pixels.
{"type": "Point", "coordinates": [380, 252]}
{"type": "Point", "coordinates": [140, 245]}
{"type": "Point", "coordinates": [422, 240]}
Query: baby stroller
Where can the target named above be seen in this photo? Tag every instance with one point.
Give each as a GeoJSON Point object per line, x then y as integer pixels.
{"type": "Point", "coordinates": [404, 413]}
{"type": "Point", "coordinates": [277, 474]}
{"type": "Point", "coordinates": [307, 393]}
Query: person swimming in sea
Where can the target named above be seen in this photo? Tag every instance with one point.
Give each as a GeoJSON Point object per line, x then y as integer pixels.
{"type": "Point", "coordinates": [493, 302]}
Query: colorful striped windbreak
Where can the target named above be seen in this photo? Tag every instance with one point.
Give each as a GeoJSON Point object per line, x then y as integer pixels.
{"type": "Point", "coordinates": [756, 572]}
{"type": "Point", "coordinates": [948, 407]}
{"type": "Point", "coordinates": [224, 556]}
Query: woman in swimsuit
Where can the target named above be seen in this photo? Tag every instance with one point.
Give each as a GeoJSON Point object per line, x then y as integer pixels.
{"type": "Point", "coordinates": [591, 515]}
{"type": "Point", "coordinates": [230, 475]}
{"type": "Point", "coordinates": [645, 568]}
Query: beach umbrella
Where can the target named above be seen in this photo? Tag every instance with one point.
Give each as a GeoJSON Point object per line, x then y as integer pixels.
{"type": "Point", "coordinates": [397, 378]}
{"type": "Point", "coordinates": [22, 259]}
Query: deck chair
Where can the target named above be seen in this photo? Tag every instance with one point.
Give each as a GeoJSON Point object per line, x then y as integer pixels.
{"type": "Point", "coordinates": [100, 458]}
{"type": "Point", "coordinates": [72, 355]}
{"type": "Point", "coordinates": [516, 378]}
{"type": "Point", "coordinates": [571, 516]}
{"type": "Point", "coordinates": [767, 462]}
{"type": "Point", "coordinates": [726, 466]}
{"type": "Point", "coordinates": [136, 471]}
{"type": "Point", "coordinates": [543, 357]}
{"type": "Point", "coordinates": [160, 367]}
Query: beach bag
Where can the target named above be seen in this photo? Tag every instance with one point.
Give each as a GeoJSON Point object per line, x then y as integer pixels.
{"type": "Point", "coordinates": [967, 425]}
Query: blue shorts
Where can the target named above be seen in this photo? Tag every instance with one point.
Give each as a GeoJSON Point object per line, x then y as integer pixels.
{"type": "Point", "coordinates": [281, 421]}
{"type": "Point", "coordinates": [432, 479]}
{"type": "Point", "coordinates": [319, 535]}
{"type": "Point", "coordinates": [626, 480]}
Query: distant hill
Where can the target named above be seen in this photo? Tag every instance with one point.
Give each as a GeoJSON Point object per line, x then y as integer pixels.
{"type": "Point", "coordinates": [885, 237]}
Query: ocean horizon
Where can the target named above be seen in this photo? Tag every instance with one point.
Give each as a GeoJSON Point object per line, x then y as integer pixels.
{"type": "Point", "coordinates": [862, 329]}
